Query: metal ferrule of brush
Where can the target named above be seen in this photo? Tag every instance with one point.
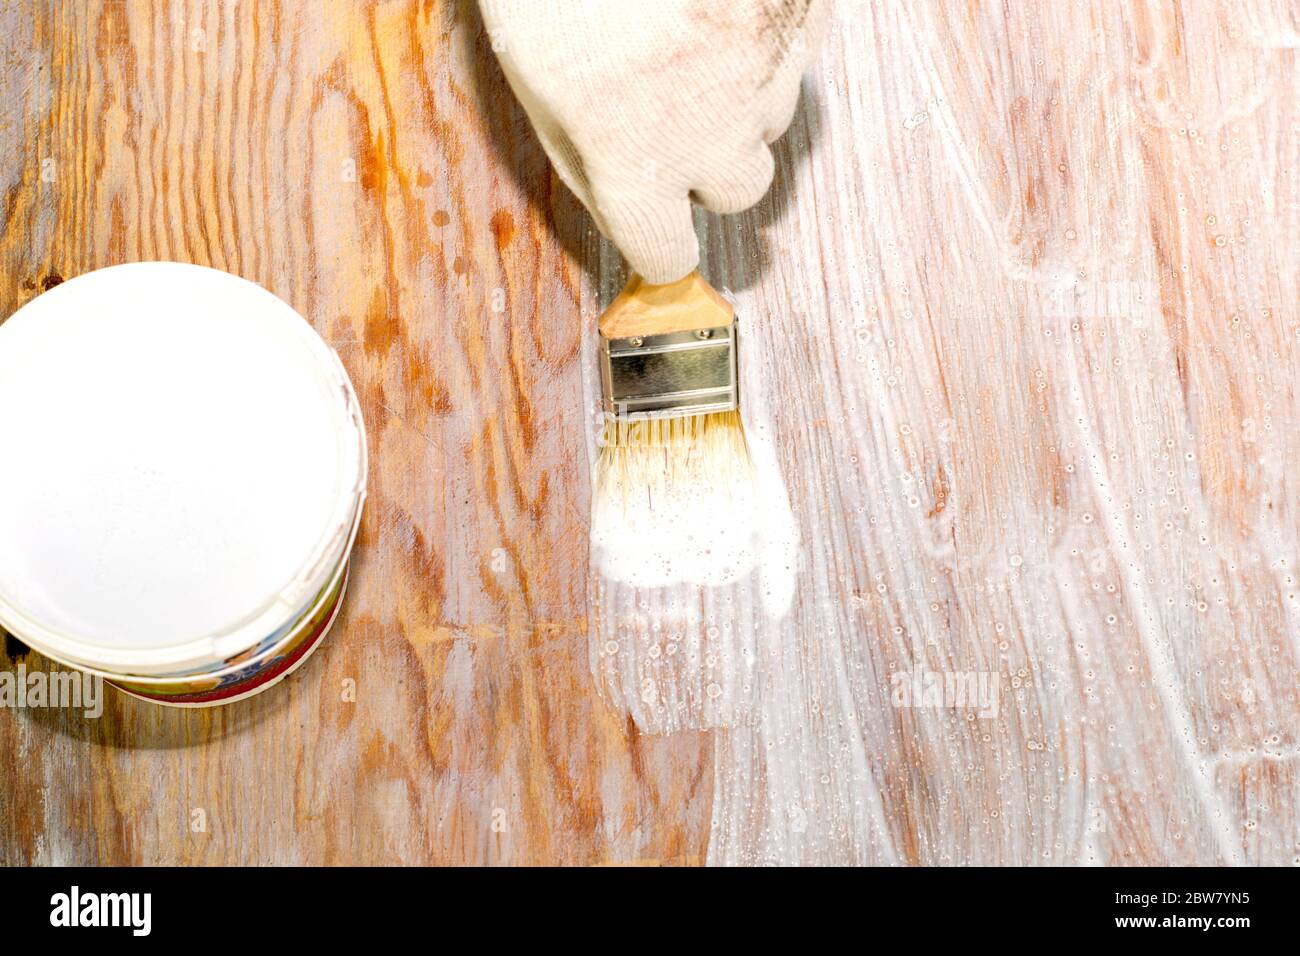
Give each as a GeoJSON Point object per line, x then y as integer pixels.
{"type": "Point", "coordinates": [671, 375]}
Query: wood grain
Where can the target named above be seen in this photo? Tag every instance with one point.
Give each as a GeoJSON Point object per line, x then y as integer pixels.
{"type": "Point", "coordinates": [364, 162]}
{"type": "Point", "coordinates": [1033, 295]}
{"type": "Point", "coordinates": [1022, 325]}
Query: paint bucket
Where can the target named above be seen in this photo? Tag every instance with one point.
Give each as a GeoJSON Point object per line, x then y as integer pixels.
{"type": "Point", "coordinates": [185, 468]}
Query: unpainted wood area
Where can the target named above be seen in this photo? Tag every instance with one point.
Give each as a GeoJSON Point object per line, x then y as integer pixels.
{"type": "Point", "coordinates": [1022, 336]}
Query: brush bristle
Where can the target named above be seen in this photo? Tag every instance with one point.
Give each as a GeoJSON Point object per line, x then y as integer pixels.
{"type": "Point", "coordinates": [675, 501]}
{"type": "Point", "coordinates": [656, 451]}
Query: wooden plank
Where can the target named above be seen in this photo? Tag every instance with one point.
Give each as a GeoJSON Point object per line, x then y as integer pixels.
{"type": "Point", "coordinates": [367, 163]}
{"type": "Point", "coordinates": [1021, 328]}
{"type": "Point", "coordinates": [1023, 307]}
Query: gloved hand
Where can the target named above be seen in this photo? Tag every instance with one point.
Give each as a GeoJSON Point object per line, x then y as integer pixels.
{"type": "Point", "coordinates": [644, 105]}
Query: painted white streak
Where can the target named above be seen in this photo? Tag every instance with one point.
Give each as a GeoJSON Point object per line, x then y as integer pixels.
{"type": "Point", "coordinates": [1026, 352]}
{"type": "Point", "coordinates": [1146, 619]}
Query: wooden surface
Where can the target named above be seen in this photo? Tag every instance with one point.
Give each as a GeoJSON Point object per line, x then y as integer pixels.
{"type": "Point", "coordinates": [1023, 334]}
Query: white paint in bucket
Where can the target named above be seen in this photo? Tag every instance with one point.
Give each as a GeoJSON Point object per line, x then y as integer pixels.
{"type": "Point", "coordinates": [186, 467]}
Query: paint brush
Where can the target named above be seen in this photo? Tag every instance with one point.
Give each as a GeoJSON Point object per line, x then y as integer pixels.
{"type": "Point", "coordinates": [676, 505]}
{"type": "Point", "coordinates": [670, 391]}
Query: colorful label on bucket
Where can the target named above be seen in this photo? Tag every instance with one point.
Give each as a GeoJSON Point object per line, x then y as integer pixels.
{"type": "Point", "coordinates": [200, 690]}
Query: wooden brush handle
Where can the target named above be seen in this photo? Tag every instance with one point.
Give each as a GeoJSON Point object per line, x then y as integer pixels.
{"type": "Point", "coordinates": [645, 309]}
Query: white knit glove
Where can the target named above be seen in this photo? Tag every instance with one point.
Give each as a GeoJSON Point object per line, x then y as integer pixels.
{"type": "Point", "coordinates": [644, 105]}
